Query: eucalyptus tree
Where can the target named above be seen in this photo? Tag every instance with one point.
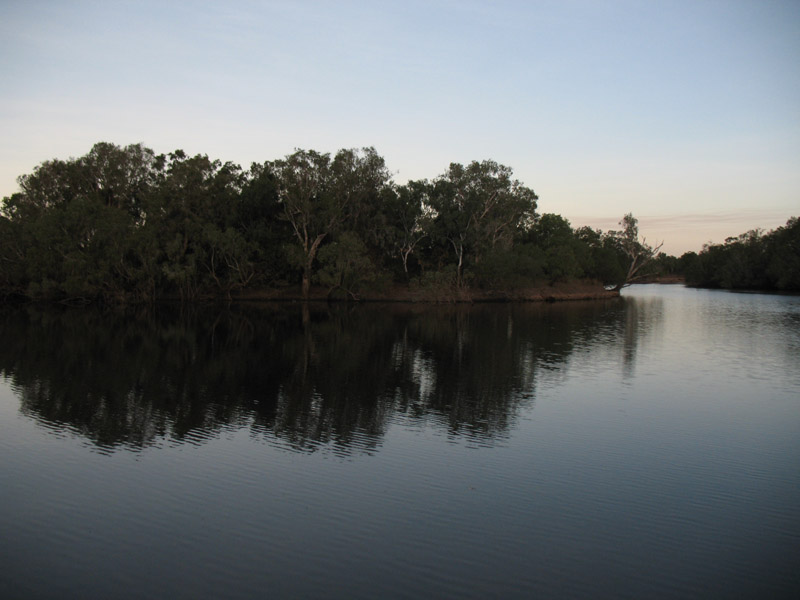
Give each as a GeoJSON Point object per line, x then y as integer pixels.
{"type": "Point", "coordinates": [117, 177]}
{"type": "Point", "coordinates": [783, 248]}
{"type": "Point", "coordinates": [566, 256]}
{"type": "Point", "coordinates": [477, 208]}
{"type": "Point", "coordinates": [639, 254]}
{"type": "Point", "coordinates": [321, 197]}
{"type": "Point", "coordinates": [752, 260]}
{"type": "Point", "coordinates": [605, 262]}
{"type": "Point", "coordinates": [402, 222]}
{"type": "Point", "coordinates": [76, 217]}
{"type": "Point", "coordinates": [123, 177]}
{"type": "Point", "coordinates": [193, 220]}
{"type": "Point", "coordinates": [303, 180]}
{"type": "Point", "coordinates": [346, 266]}
{"type": "Point", "coordinates": [12, 258]}
{"type": "Point", "coordinates": [258, 219]}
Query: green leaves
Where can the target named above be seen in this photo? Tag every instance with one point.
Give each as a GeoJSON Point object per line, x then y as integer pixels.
{"type": "Point", "coordinates": [476, 208]}
{"type": "Point", "coordinates": [753, 260]}
{"type": "Point", "coordinates": [346, 266]}
{"type": "Point", "coordinates": [122, 223]}
{"type": "Point", "coordinates": [321, 198]}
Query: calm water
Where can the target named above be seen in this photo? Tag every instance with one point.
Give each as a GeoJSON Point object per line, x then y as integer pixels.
{"type": "Point", "coordinates": [644, 447]}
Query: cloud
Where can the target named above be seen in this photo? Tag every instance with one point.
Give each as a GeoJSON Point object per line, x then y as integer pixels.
{"type": "Point", "coordinates": [682, 220]}
{"type": "Point", "coordinates": [684, 232]}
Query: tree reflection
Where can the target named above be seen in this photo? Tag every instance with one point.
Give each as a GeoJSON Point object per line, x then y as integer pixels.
{"type": "Point", "coordinates": [641, 316]}
{"type": "Point", "coordinates": [303, 375]}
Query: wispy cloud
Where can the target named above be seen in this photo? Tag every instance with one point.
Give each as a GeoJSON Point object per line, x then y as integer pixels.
{"type": "Point", "coordinates": [688, 231]}
{"type": "Point", "coordinates": [679, 221]}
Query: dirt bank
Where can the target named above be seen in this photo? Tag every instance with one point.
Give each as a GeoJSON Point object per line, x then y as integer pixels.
{"type": "Point", "coordinates": [579, 290]}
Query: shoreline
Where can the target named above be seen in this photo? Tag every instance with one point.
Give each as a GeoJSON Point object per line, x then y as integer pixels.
{"type": "Point", "coordinates": [399, 294]}
{"type": "Point", "coordinates": [559, 292]}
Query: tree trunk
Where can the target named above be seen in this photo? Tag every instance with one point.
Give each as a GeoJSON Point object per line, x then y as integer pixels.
{"type": "Point", "coordinates": [307, 268]}
{"type": "Point", "coordinates": [306, 285]}
{"type": "Point", "coordinates": [460, 266]}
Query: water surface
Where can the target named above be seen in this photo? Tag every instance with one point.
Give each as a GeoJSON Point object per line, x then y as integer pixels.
{"type": "Point", "coordinates": [642, 447]}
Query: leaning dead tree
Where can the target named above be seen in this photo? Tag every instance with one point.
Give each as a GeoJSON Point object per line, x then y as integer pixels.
{"type": "Point", "coordinates": [639, 253]}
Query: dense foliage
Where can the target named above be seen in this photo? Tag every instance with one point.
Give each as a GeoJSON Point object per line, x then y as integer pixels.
{"type": "Point", "coordinates": [125, 224]}
{"type": "Point", "coordinates": [753, 260]}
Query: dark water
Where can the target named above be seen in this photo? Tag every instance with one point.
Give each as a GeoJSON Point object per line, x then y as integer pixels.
{"type": "Point", "coordinates": [647, 447]}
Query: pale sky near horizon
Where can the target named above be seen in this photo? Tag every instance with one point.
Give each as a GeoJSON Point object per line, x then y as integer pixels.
{"type": "Point", "coordinates": [685, 113]}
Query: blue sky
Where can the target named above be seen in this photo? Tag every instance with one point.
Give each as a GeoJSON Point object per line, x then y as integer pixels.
{"type": "Point", "coordinates": [686, 113]}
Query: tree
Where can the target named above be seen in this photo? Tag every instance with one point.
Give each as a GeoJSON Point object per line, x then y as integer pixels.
{"type": "Point", "coordinates": [319, 196]}
{"type": "Point", "coordinates": [752, 260]}
{"type": "Point", "coordinates": [346, 265]}
{"type": "Point", "coordinates": [123, 177]}
{"type": "Point", "coordinates": [639, 254]}
{"type": "Point", "coordinates": [476, 208]}
{"type": "Point", "coordinates": [192, 216]}
{"type": "Point", "coordinates": [784, 252]}
{"type": "Point", "coordinates": [565, 253]}
{"type": "Point", "coordinates": [257, 218]}
{"type": "Point", "coordinates": [604, 261]}
{"type": "Point", "coordinates": [14, 251]}
{"type": "Point", "coordinates": [76, 220]}
{"type": "Point", "coordinates": [402, 222]}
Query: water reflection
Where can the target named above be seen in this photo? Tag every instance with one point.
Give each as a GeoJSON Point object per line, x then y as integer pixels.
{"type": "Point", "coordinates": [307, 377]}
{"type": "Point", "coordinates": [643, 318]}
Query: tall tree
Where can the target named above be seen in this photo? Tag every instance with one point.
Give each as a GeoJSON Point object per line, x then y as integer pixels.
{"type": "Point", "coordinates": [76, 219]}
{"type": "Point", "coordinates": [193, 216]}
{"type": "Point", "coordinates": [477, 207]}
{"type": "Point", "coordinates": [566, 255]}
{"type": "Point", "coordinates": [402, 223]}
{"type": "Point", "coordinates": [604, 257]}
{"type": "Point", "coordinates": [320, 197]}
{"type": "Point", "coordinates": [257, 218]}
{"type": "Point", "coordinates": [123, 177]}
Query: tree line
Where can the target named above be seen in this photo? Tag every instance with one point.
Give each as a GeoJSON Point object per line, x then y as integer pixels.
{"type": "Point", "coordinates": [754, 260]}
{"type": "Point", "coordinates": [125, 224]}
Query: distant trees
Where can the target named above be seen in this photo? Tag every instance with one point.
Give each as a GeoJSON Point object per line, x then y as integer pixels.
{"type": "Point", "coordinates": [752, 260]}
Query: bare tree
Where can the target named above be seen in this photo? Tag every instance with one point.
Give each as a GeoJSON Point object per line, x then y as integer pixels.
{"type": "Point", "coordinates": [639, 253]}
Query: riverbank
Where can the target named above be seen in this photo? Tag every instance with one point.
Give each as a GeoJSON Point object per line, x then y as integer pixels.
{"type": "Point", "coordinates": [558, 292]}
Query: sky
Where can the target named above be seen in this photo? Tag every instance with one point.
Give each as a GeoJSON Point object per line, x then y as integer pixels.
{"type": "Point", "coordinates": [685, 113]}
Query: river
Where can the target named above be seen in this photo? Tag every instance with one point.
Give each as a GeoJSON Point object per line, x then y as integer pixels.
{"type": "Point", "coordinates": [642, 447]}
